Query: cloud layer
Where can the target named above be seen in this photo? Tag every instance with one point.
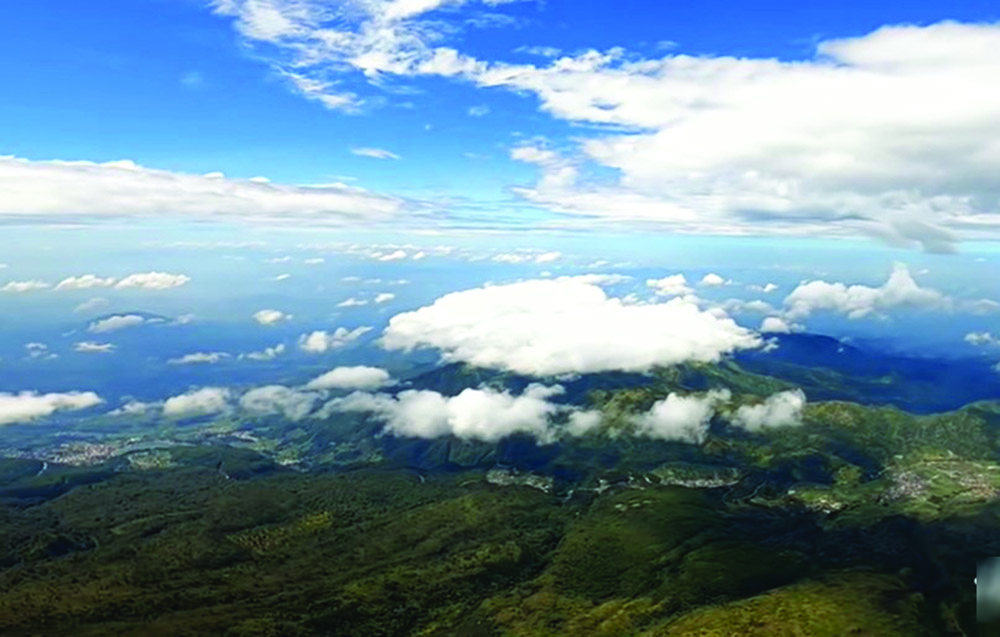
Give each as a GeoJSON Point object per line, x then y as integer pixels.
{"type": "Point", "coordinates": [61, 190]}
{"type": "Point", "coordinates": [28, 406]}
{"type": "Point", "coordinates": [862, 137]}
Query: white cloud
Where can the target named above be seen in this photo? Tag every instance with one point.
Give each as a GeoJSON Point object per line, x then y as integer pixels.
{"type": "Point", "coordinates": [85, 282]}
{"type": "Point", "coordinates": [266, 354]}
{"type": "Point", "coordinates": [775, 325]}
{"type": "Point", "coordinates": [595, 278]}
{"type": "Point", "coordinates": [673, 285]}
{"type": "Point", "coordinates": [548, 257]}
{"type": "Point", "coordinates": [93, 347]}
{"type": "Point", "coordinates": [271, 317]}
{"type": "Point", "coordinates": [714, 280]}
{"type": "Point", "coordinates": [858, 301]}
{"type": "Point", "coordinates": [384, 297]}
{"type": "Point", "coordinates": [115, 323]}
{"type": "Point", "coordinates": [980, 306]}
{"type": "Point", "coordinates": [512, 258]}
{"type": "Point", "coordinates": [314, 261]}
{"type": "Point", "coordinates": [59, 190]}
{"type": "Point", "coordinates": [374, 153]}
{"type": "Point", "coordinates": [741, 306]}
{"type": "Point", "coordinates": [535, 327]}
{"type": "Point", "coordinates": [540, 51]}
{"type": "Point", "coordinates": [981, 338]}
{"type": "Point", "coordinates": [479, 110]}
{"type": "Point", "coordinates": [39, 351]}
{"type": "Point", "coordinates": [783, 409]}
{"type": "Point", "coordinates": [136, 408]}
{"type": "Point", "coordinates": [90, 305]}
{"type": "Point", "coordinates": [677, 417]}
{"type": "Point", "coordinates": [208, 358]}
{"type": "Point", "coordinates": [200, 402]}
{"type": "Point", "coordinates": [278, 400]}
{"type": "Point", "coordinates": [280, 277]}
{"type": "Point", "coordinates": [24, 286]}
{"type": "Point", "coordinates": [153, 281]}
{"type": "Point", "coordinates": [358, 377]}
{"type": "Point", "coordinates": [479, 414]}
{"type": "Point", "coordinates": [767, 288]}
{"type": "Point", "coordinates": [352, 302]}
{"type": "Point", "coordinates": [859, 138]}
{"type": "Point", "coordinates": [395, 255]}
{"type": "Point", "coordinates": [27, 406]}
{"type": "Point", "coordinates": [319, 341]}
{"type": "Point", "coordinates": [583, 422]}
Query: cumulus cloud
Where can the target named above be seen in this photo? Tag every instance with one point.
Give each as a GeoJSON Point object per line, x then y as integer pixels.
{"type": "Point", "coordinates": [479, 414]}
{"type": "Point", "coordinates": [24, 286]}
{"type": "Point", "coordinates": [278, 400]}
{"type": "Point", "coordinates": [93, 347]}
{"type": "Point", "coordinates": [207, 358]}
{"type": "Point", "coordinates": [57, 190]}
{"type": "Point", "coordinates": [384, 297]}
{"type": "Point", "coordinates": [583, 422]}
{"type": "Point", "coordinates": [266, 354]}
{"type": "Point", "coordinates": [116, 322]}
{"type": "Point", "coordinates": [714, 280]}
{"type": "Point", "coordinates": [981, 338]}
{"type": "Point", "coordinates": [271, 317]}
{"type": "Point", "coordinates": [27, 406]}
{"type": "Point", "coordinates": [767, 288]}
{"type": "Point", "coordinates": [358, 377]}
{"type": "Point", "coordinates": [320, 341]}
{"type": "Point", "coordinates": [39, 351]}
{"type": "Point", "coordinates": [673, 285]}
{"type": "Point", "coordinates": [85, 282]}
{"type": "Point", "coordinates": [775, 325]}
{"type": "Point", "coordinates": [859, 301]}
{"type": "Point", "coordinates": [153, 281]}
{"type": "Point", "coordinates": [678, 417]}
{"type": "Point", "coordinates": [534, 327]}
{"type": "Point", "coordinates": [783, 409]}
{"type": "Point", "coordinates": [136, 408]}
{"type": "Point", "coordinates": [206, 401]}
{"type": "Point", "coordinates": [374, 153]}
{"type": "Point", "coordinates": [395, 255]}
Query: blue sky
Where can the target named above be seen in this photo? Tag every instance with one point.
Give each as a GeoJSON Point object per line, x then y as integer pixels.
{"type": "Point", "coordinates": [170, 85]}
{"type": "Point", "coordinates": [211, 159]}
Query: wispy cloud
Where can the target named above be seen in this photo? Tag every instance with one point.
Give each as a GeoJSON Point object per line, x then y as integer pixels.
{"type": "Point", "coordinates": [374, 153]}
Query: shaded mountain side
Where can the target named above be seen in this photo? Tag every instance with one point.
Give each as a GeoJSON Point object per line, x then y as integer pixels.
{"type": "Point", "coordinates": [829, 369]}
{"type": "Point", "coordinates": [824, 367]}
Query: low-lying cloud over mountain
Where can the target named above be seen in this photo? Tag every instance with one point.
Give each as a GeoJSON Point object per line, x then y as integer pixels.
{"type": "Point", "coordinates": [548, 327]}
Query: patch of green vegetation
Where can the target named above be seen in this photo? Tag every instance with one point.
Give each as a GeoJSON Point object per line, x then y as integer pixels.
{"type": "Point", "coordinates": [261, 541]}
{"type": "Point", "coordinates": [847, 604]}
{"type": "Point", "coordinates": [627, 538]}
